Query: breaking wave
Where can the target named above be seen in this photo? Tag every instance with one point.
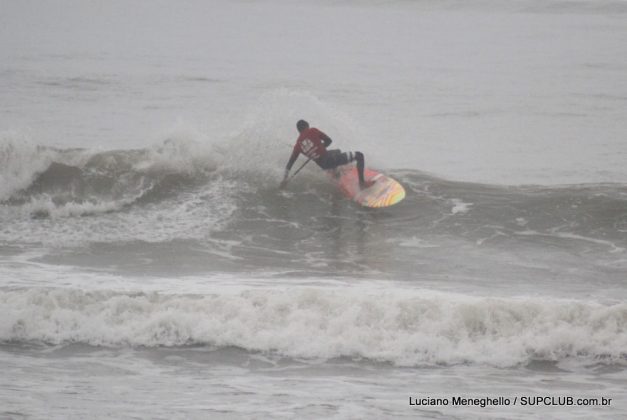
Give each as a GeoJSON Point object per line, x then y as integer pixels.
{"type": "Point", "coordinates": [182, 189]}
{"type": "Point", "coordinates": [73, 182]}
{"type": "Point", "coordinates": [403, 327]}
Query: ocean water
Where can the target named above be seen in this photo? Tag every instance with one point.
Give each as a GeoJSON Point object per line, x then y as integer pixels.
{"type": "Point", "coordinates": [151, 268]}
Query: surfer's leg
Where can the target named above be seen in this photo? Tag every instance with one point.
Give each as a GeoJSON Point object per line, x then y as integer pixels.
{"type": "Point", "coordinates": [342, 158]}
{"type": "Point", "coordinates": [328, 162]}
{"type": "Point", "coordinates": [359, 157]}
{"type": "Point", "coordinates": [333, 157]}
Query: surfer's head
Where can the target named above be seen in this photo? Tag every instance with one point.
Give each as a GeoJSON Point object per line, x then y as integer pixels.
{"type": "Point", "coordinates": [302, 125]}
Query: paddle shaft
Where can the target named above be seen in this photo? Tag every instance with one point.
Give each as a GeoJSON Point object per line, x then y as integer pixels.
{"type": "Point", "coordinates": [297, 170]}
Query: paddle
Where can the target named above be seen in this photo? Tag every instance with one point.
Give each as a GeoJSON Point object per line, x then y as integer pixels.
{"type": "Point", "coordinates": [284, 183]}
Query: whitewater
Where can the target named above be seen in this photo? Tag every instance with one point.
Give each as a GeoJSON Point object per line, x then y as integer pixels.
{"type": "Point", "coordinates": [151, 268]}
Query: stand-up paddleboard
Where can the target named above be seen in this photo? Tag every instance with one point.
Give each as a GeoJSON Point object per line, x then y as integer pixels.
{"type": "Point", "coordinates": [384, 191]}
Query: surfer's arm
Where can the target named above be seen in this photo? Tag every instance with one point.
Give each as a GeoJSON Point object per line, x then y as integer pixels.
{"type": "Point", "coordinates": [326, 139]}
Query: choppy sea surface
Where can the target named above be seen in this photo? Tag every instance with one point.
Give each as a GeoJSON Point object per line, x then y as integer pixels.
{"type": "Point", "coordinates": [151, 268]}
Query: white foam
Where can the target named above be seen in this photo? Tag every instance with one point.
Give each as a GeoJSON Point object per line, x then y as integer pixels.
{"type": "Point", "coordinates": [415, 242]}
{"type": "Point", "coordinates": [405, 327]}
{"type": "Point", "coordinates": [20, 162]}
{"type": "Point", "coordinates": [565, 235]}
{"type": "Point", "coordinates": [190, 215]}
{"type": "Point", "coordinates": [44, 205]}
{"type": "Point", "coordinates": [459, 206]}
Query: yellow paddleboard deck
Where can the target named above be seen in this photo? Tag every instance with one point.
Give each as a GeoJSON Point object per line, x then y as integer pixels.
{"type": "Point", "coordinates": [383, 192]}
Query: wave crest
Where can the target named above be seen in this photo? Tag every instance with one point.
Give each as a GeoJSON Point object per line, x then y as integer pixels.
{"type": "Point", "coordinates": [407, 328]}
{"type": "Point", "coordinates": [71, 182]}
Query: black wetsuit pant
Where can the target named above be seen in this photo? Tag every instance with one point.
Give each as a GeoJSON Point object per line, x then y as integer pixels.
{"type": "Point", "coordinates": [334, 158]}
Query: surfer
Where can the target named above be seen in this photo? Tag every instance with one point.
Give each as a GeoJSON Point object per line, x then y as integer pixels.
{"type": "Point", "coordinates": [313, 143]}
